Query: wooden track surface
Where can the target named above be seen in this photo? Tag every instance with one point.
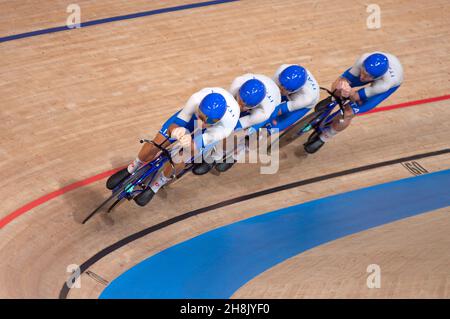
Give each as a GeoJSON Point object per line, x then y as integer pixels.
{"type": "Point", "coordinates": [75, 103]}
{"type": "Point", "coordinates": [404, 250]}
{"type": "Point", "coordinates": [31, 15]}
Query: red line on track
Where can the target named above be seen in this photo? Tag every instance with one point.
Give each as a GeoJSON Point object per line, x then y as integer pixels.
{"type": "Point", "coordinates": [408, 104]}
{"type": "Point", "coordinates": [41, 200]}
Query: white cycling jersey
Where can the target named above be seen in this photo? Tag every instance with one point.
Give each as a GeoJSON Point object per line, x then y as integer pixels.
{"type": "Point", "coordinates": [223, 128]}
{"type": "Point", "coordinates": [261, 112]}
{"type": "Point", "coordinates": [392, 78]}
{"type": "Point", "coordinates": [306, 97]}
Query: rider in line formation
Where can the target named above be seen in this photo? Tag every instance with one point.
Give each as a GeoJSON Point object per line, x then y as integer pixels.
{"type": "Point", "coordinates": [256, 101]}
{"type": "Point", "coordinates": [384, 74]}
{"type": "Point", "coordinates": [218, 112]}
{"type": "Point", "coordinates": [257, 96]}
{"type": "Point", "coordinates": [299, 94]}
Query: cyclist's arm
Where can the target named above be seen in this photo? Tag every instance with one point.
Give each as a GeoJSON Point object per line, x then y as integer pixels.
{"type": "Point", "coordinates": [255, 117]}
{"type": "Point", "coordinates": [376, 88]}
{"type": "Point", "coordinates": [186, 113]}
{"type": "Point", "coordinates": [351, 75]}
{"type": "Point", "coordinates": [215, 134]}
{"type": "Point", "coordinates": [220, 130]}
{"type": "Point", "coordinates": [302, 99]}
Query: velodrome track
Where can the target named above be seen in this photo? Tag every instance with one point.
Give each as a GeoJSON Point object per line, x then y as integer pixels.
{"type": "Point", "coordinates": [76, 102]}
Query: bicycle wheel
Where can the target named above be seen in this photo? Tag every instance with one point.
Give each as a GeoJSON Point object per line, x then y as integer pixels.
{"type": "Point", "coordinates": [116, 192]}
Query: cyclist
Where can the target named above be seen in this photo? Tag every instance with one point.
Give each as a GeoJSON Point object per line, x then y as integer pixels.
{"type": "Point", "coordinates": [299, 92]}
{"type": "Point", "coordinates": [218, 112]}
{"type": "Point", "coordinates": [257, 96]}
{"type": "Point", "coordinates": [371, 80]}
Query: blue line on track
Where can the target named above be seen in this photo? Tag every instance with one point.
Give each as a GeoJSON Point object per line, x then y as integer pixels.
{"type": "Point", "coordinates": [219, 262]}
{"type": "Point", "coordinates": [114, 19]}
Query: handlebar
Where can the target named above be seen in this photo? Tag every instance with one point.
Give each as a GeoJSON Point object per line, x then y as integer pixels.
{"type": "Point", "coordinates": [340, 100]}
{"type": "Point", "coordinates": [164, 150]}
{"type": "Point", "coordinates": [167, 152]}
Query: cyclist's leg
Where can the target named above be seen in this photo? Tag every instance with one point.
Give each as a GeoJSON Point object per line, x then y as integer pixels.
{"type": "Point", "coordinates": [224, 154]}
{"type": "Point", "coordinates": [341, 122]}
{"type": "Point", "coordinates": [211, 158]}
{"type": "Point", "coordinates": [229, 152]}
{"type": "Point", "coordinates": [162, 178]}
{"type": "Point", "coordinates": [149, 151]}
{"type": "Point", "coordinates": [146, 154]}
{"type": "Point", "coordinates": [274, 124]}
{"type": "Point", "coordinates": [338, 123]}
{"type": "Point", "coordinates": [168, 171]}
{"type": "Point", "coordinates": [279, 123]}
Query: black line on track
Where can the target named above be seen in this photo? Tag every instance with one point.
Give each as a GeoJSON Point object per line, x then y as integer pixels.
{"type": "Point", "coordinates": [123, 242]}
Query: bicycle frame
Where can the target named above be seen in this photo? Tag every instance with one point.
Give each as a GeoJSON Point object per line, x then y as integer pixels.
{"type": "Point", "coordinates": [148, 172]}
{"type": "Point", "coordinates": [317, 120]}
{"type": "Point", "coordinates": [327, 116]}
{"type": "Point", "coordinates": [328, 119]}
{"type": "Point", "coordinates": [142, 178]}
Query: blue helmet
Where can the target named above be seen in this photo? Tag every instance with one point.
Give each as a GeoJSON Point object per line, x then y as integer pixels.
{"type": "Point", "coordinates": [213, 107]}
{"type": "Point", "coordinates": [252, 92]}
{"type": "Point", "coordinates": [376, 65]}
{"type": "Point", "coordinates": [293, 78]}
